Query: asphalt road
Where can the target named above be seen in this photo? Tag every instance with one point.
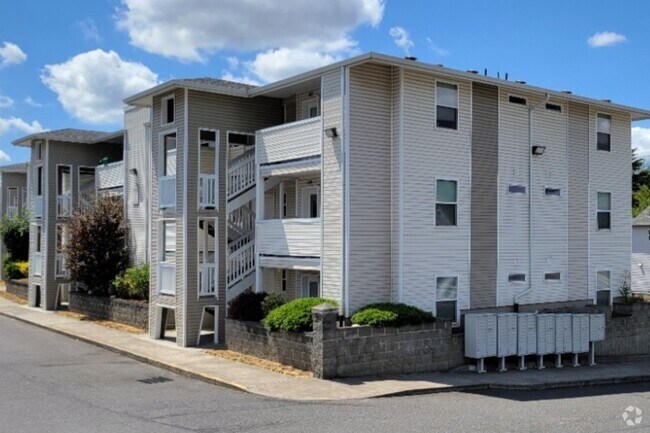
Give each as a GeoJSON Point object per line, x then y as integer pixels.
{"type": "Point", "coordinates": [50, 383]}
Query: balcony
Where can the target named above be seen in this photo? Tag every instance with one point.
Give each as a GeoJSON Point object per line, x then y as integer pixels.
{"type": "Point", "coordinates": [166, 278]}
{"type": "Point", "coordinates": [208, 193]}
{"type": "Point", "coordinates": [38, 206]}
{"type": "Point", "coordinates": [289, 237]}
{"type": "Point", "coordinates": [109, 176]}
{"type": "Point", "coordinates": [64, 205]}
{"type": "Point", "coordinates": [296, 140]}
{"type": "Point", "coordinates": [61, 266]}
{"type": "Point", "coordinates": [207, 279]}
{"type": "Point", "coordinates": [37, 264]}
{"type": "Point", "coordinates": [167, 191]}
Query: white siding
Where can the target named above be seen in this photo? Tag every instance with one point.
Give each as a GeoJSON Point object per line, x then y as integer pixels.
{"type": "Point", "coordinates": [289, 141]}
{"type": "Point", "coordinates": [289, 237]}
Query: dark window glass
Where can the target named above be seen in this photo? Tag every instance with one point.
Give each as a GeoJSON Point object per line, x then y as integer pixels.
{"type": "Point", "coordinates": [313, 206]}
{"type": "Point", "coordinates": [554, 107]}
{"type": "Point", "coordinates": [552, 191]}
{"type": "Point", "coordinates": [517, 278]}
{"type": "Point", "coordinates": [170, 111]}
{"type": "Point", "coordinates": [604, 220]}
{"type": "Point", "coordinates": [516, 189]}
{"type": "Point", "coordinates": [552, 276]}
{"type": "Point", "coordinates": [446, 117]}
{"type": "Point", "coordinates": [241, 139]}
{"type": "Point", "coordinates": [446, 310]}
{"type": "Point", "coordinates": [445, 214]}
{"type": "Point", "coordinates": [39, 181]}
{"type": "Point", "coordinates": [517, 100]}
{"type": "Point", "coordinates": [602, 297]}
{"type": "Point", "coordinates": [604, 141]}
{"type": "Point", "coordinates": [284, 280]}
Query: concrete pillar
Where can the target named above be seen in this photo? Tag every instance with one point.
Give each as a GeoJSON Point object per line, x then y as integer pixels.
{"type": "Point", "coordinates": [324, 344]}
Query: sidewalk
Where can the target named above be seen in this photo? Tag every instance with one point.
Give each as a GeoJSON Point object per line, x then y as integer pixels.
{"type": "Point", "coordinates": [196, 363]}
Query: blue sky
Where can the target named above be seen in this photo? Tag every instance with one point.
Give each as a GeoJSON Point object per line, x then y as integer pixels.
{"type": "Point", "coordinates": [69, 64]}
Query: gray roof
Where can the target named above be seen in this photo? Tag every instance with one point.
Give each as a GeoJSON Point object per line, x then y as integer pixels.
{"type": "Point", "coordinates": [21, 167]}
{"type": "Point", "coordinates": [205, 84]}
{"type": "Point", "coordinates": [642, 219]}
{"type": "Point", "coordinates": [69, 135]}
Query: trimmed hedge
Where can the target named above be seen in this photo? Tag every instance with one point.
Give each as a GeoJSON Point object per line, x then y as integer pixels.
{"type": "Point", "coordinates": [134, 284]}
{"type": "Point", "coordinates": [295, 316]}
{"type": "Point", "coordinates": [271, 302]}
{"type": "Point", "coordinates": [247, 306]}
{"type": "Point", "coordinates": [391, 315]}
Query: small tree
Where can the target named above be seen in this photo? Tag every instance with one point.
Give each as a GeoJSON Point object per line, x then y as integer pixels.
{"type": "Point", "coordinates": [96, 250]}
{"type": "Point", "coordinates": [14, 232]}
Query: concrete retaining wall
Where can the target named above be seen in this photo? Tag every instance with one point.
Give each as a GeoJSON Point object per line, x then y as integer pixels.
{"type": "Point", "coordinates": [17, 287]}
{"type": "Point", "coordinates": [134, 313]}
{"type": "Point", "coordinates": [628, 338]}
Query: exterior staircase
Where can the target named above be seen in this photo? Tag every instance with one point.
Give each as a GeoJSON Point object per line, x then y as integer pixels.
{"type": "Point", "coordinates": [240, 194]}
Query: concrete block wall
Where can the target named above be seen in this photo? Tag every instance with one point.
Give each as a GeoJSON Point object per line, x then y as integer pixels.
{"type": "Point", "coordinates": [133, 313]}
{"type": "Point", "coordinates": [627, 338]}
{"type": "Point", "coordinates": [19, 288]}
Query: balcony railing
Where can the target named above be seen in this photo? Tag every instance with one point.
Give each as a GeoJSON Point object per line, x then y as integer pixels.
{"type": "Point", "coordinates": [64, 205]}
{"type": "Point", "coordinates": [289, 237]}
{"type": "Point", "coordinates": [207, 279]}
{"type": "Point", "coordinates": [109, 176]}
{"type": "Point", "coordinates": [61, 265]}
{"type": "Point", "coordinates": [294, 140]}
{"type": "Point", "coordinates": [12, 211]}
{"type": "Point", "coordinates": [241, 174]}
{"type": "Point", "coordinates": [38, 206]}
{"type": "Point", "coordinates": [167, 191]}
{"type": "Point", "coordinates": [208, 192]}
{"type": "Point", "coordinates": [37, 264]}
{"type": "Point", "coordinates": [241, 262]}
{"type": "Point", "coordinates": [167, 278]}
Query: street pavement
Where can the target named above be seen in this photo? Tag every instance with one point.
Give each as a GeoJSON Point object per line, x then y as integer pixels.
{"type": "Point", "coordinates": [50, 383]}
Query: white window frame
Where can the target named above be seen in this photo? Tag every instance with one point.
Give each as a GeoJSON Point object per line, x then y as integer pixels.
{"type": "Point", "coordinates": [305, 193]}
{"type": "Point", "coordinates": [58, 166]}
{"type": "Point", "coordinates": [310, 278]}
{"type": "Point", "coordinates": [599, 114]}
{"type": "Point", "coordinates": [162, 248]}
{"type": "Point", "coordinates": [553, 281]}
{"type": "Point", "coordinates": [609, 211]}
{"type": "Point", "coordinates": [307, 104]}
{"type": "Point", "coordinates": [435, 108]}
{"type": "Point", "coordinates": [39, 239]}
{"type": "Point", "coordinates": [65, 239]}
{"type": "Point", "coordinates": [164, 110]}
{"type": "Point", "coordinates": [456, 321]}
{"type": "Point", "coordinates": [609, 271]}
{"type": "Point", "coordinates": [40, 167]}
{"type": "Point", "coordinates": [163, 153]}
{"type": "Point", "coordinates": [284, 280]}
{"type": "Point", "coordinates": [215, 221]}
{"type": "Point", "coordinates": [436, 202]}
{"type": "Point", "coordinates": [217, 149]}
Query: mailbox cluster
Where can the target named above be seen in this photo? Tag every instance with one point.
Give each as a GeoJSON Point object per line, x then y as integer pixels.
{"type": "Point", "coordinates": [522, 334]}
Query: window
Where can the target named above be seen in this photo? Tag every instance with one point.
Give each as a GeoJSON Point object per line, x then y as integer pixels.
{"type": "Point", "coordinates": [516, 189]}
{"type": "Point", "coordinates": [311, 202]}
{"type": "Point", "coordinates": [604, 210]}
{"type": "Point", "coordinates": [64, 180]}
{"type": "Point", "coordinates": [554, 107]}
{"type": "Point", "coordinates": [12, 197]}
{"type": "Point", "coordinates": [167, 110]}
{"type": "Point", "coordinates": [86, 186]}
{"type": "Point", "coordinates": [169, 155]}
{"type": "Point", "coordinates": [169, 241]}
{"type": "Point", "coordinates": [39, 181]}
{"type": "Point", "coordinates": [311, 108]}
{"type": "Point", "coordinates": [39, 150]}
{"type": "Point", "coordinates": [517, 278]}
{"type": "Point", "coordinates": [552, 276]}
{"type": "Point", "coordinates": [310, 286]}
{"type": "Point", "coordinates": [241, 139]}
{"type": "Point", "coordinates": [552, 192]}
{"type": "Point", "coordinates": [446, 106]}
{"type": "Point", "coordinates": [603, 287]}
{"type": "Point", "coordinates": [39, 239]}
{"type": "Point", "coordinates": [604, 132]}
{"type": "Point", "coordinates": [284, 280]}
{"type": "Point", "coordinates": [517, 100]}
{"type": "Point", "coordinates": [208, 169]}
{"type": "Point", "coordinates": [207, 249]}
{"type": "Point", "coordinates": [446, 202]}
{"type": "Point", "coordinates": [447, 298]}
{"type": "Point", "coordinates": [24, 206]}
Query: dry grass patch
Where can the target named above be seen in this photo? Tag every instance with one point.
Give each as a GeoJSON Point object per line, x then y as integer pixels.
{"type": "Point", "coordinates": [13, 298]}
{"type": "Point", "coordinates": [107, 323]}
{"type": "Point", "coordinates": [261, 363]}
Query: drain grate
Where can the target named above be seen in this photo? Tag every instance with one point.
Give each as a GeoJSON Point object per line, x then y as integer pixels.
{"type": "Point", "coordinates": [152, 380]}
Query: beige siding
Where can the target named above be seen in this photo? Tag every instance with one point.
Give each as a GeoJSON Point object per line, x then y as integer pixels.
{"type": "Point", "coordinates": [485, 166]}
{"type": "Point", "coordinates": [289, 237]}
{"type": "Point", "coordinates": [289, 141]}
{"type": "Point", "coordinates": [370, 185]}
{"type": "Point", "coordinates": [578, 192]}
{"type": "Point", "coordinates": [396, 99]}
{"type": "Point", "coordinates": [332, 196]}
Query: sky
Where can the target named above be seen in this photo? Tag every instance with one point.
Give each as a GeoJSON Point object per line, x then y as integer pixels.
{"type": "Point", "coordinates": [70, 63]}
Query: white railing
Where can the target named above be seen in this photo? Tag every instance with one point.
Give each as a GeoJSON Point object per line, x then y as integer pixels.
{"type": "Point", "coordinates": [64, 205]}
{"type": "Point", "coordinates": [12, 211]}
{"type": "Point", "coordinates": [207, 279]}
{"type": "Point", "coordinates": [242, 220]}
{"type": "Point", "coordinates": [242, 241]}
{"type": "Point", "coordinates": [289, 141]}
{"type": "Point", "coordinates": [241, 174]}
{"type": "Point", "coordinates": [167, 191]}
{"type": "Point", "coordinates": [109, 176]}
{"type": "Point", "coordinates": [61, 265]}
{"type": "Point", "coordinates": [38, 206]}
{"type": "Point", "coordinates": [208, 192]}
{"type": "Point", "coordinates": [241, 263]}
{"type": "Point", "coordinates": [37, 265]}
{"type": "Point", "coordinates": [289, 237]}
{"type": "Point", "coordinates": [167, 278]}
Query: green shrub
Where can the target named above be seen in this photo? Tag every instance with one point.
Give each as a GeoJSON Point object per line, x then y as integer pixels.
{"type": "Point", "coordinates": [393, 315]}
{"type": "Point", "coordinates": [134, 284]}
{"type": "Point", "coordinates": [271, 302]}
{"type": "Point", "coordinates": [14, 232]}
{"type": "Point", "coordinates": [295, 316]}
{"type": "Point", "coordinates": [247, 306]}
{"type": "Point", "coordinates": [16, 270]}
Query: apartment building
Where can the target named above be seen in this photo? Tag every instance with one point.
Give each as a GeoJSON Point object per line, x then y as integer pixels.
{"type": "Point", "coordinates": [13, 198]}
{"type": "Point", "coordinates": [640, 269]}
{"type": "Point", "coordinates": [62, 177]}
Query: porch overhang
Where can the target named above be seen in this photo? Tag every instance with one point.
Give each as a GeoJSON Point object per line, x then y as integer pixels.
{"type": "Point", "coordinates": [303, 167]}
{"type": "Point", "coordinates": [288, 262]}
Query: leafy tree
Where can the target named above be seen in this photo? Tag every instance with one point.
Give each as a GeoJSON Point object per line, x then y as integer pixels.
{"type": "Point", "coordinates": [96, 251]}
{"type": "Point", "coordinates": [641, 200]}
{"type": "Point", "coordinates": [14, 232]}
{"type": "Point", "coordinates": [640, 178]}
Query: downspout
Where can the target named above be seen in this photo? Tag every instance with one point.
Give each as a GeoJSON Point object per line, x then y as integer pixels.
{"type": "Point", "coordinates": [530, 203]}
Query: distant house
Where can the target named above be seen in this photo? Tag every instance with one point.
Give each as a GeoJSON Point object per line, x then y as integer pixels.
{"type": "Point", "coordinates": [13, 199]}
{"type": "Point", "coordinates": [640, 271]}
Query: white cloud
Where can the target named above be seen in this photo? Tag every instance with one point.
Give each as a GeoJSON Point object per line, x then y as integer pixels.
{"type": "Point", "coordinates": [4, 157]}
{"type": "Point", "coordinates": [436, 49]}
{"type": "Point", "coordinates": [641, 142]}
{"type": "Point", "coordinates": [190, 30]}
{"type": "Point", "coordinates": [17, 124]}
{"type": "Point", "coordinates": [239, 79]}
{"type": "Point", "coordinates": [6, 102]}
{"type": "Point", "coordinates": [11, 54]}
{"type": "Point", "coordinates": [92, 85]}
{"type": "Point", "coordinates": [276, 64]}
{"type": "Point", "coordinates": [605, 39]}
{"type": "Point", "coordinates": [401, 38]}
{"type": "Point", "coordinates": [89, 30]}
{"type": "Point", "coordinates": [32, 103]}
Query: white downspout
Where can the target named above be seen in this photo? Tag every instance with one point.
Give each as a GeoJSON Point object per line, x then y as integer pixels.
{"type": "Point", "coordinates": [530, 201]}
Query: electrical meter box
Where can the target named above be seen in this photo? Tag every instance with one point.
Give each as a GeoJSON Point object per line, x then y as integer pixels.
{"type": "Point", "coordinates": [596, 327]}
{"type": "Point", "coordinates": [480, 335]}
{"type": "Point", "coordinates": [506, 334]}
{"type": "Point", "coordinates": [563, 333]}
{"type": "Point", "coordinates": [526, 334]}
{"type": "Point", "coordinates": [545, 334]}
{"type": "Point", "coordinates": [580, 333]}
